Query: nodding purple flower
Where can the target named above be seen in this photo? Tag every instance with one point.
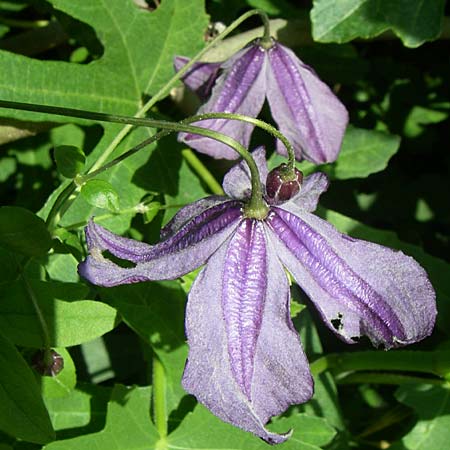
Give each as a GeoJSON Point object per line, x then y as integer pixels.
{"type": "Point", "coordinates": [245, 362]}
{"type": "Point", "coordinates": [305, 109]}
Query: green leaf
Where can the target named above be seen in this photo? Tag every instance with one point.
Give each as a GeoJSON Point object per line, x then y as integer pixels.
{"type": "Point", "coordinates": [70, 160]}
{"type": "Point", "coordinates": [70, 321]}
{"type": "Point", "coordinates": [82, 408]}
{"type": "Point", "coordinates": [64, 382]}
{"type": "Point", "coordinates": [22, 231]}
{"type": "Point", "coordinates": [22, 411]}
{"type": "Point", "coordinates": [101, 194]}
{"type": "Point", "coordinates": [413, 21]}
{"type": "Point", "coordinates": [363, 152]}
{"type": "Point", "coordinates": [128, 425]}
{"type": "Point", "coordinates": [156, 312]}
{"type": "Point", "coordinates": [419, 117]}
{"type": "Point", "coordinates": [325, 398]}
{"type": "Point", "coordinates": [151, 211]}
{"type": "Point", "coordinates": [202, 430]}
{"type": "Point", "coordinates": [432, 406]}
{"type": "Point", "coordinates": [137, 58]}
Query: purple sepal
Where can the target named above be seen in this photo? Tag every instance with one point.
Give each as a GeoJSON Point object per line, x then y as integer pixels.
{"type": "Point", "coordinates": [188, 213]}
{"type": "Point", "coordinates": [245, 360]}
{"type": "Point", "coordinates": [359, 288]}
{"type": "Point", "coordinates": [185, 250]}
{"type": "Point", "coordinates": [200, 78]}
{"type": "Point", "coordinates": [237, 181]}
{"type": "Point", "coordinates": [241, 90]}
{"type": "Point", "coordinates": [307, 112]}
{"type": "Point", "coordinates": [312, 188]}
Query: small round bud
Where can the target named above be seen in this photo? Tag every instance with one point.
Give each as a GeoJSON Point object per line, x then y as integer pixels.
{"type": "Point", "coordinates": [47, 363]}
{"type": "Point", "coordinates": [280, 185]}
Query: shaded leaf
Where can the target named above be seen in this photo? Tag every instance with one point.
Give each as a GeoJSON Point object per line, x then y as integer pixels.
{"type": "Point", "coordinates": [24, 232]}
{"type": "Point", "coordinates": [64, 382]}
{"type": "Point", "coordinates": [70, 321]}
{"type": "Point", "coordinates": [202, 430]}
{"type": "Point", "coordinates": [128, 424]}
{"type": "Point", "coordinates": [432, 406]}
{"type": "Point", "coordinates": [156, 312]}
{"type": "Point", "coordinates": [70, 160]}
{"type": "Point", "coordinates": [22, 411]}
{"type": "Point", "coordinates": [82, 408]}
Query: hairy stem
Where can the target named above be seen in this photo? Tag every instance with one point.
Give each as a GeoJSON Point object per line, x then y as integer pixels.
{"type": "Point", "coordinates": [159, 397]}
{"type": "Point", "coordinates": [436, 363]}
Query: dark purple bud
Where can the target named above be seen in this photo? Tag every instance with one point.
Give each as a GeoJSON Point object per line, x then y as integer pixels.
{"type": "Point", "coordinates": [282, 184]}
{"type": "Point", "coordinates": [47, 363]}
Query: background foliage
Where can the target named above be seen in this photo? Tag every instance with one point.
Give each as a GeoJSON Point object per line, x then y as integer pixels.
{"type": "Point", "coordinates": [387, 60]}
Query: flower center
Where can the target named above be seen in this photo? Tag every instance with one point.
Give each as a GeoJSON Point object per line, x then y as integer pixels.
{"type": "Point", "coordinates": [256, 209]}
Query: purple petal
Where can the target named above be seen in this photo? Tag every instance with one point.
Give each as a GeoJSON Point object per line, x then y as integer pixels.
{"type": "Point", "coordinates": [305, 109]}
{"type": "Point", "coordinates": [240, 89]}
{"type": "Point", "coordinates": [188, 212]}
{"type": "Point", "coordinates": [237, 182]}
{"type": "Point", "coordinates": [312, 188]}
{"type": "Point", "coordinates": [359, 288]}
{"type": "Point", "coordinates": [245, 360]}
{"type": "Point", "coordinates": [200, 77]}
{"type": "Point", "coordinates": [187, 249]}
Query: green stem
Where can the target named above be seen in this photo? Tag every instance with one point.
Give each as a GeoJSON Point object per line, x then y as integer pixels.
{"type": "Point", "coordinates": [266, 40]}
{"type": "Point", "coordinates": [388, 378]}
{"type": "Point", "coordinates": [159, 397]}
{"type": "Point", "coordinates": [193, 160]}
{"type": "Point", "coordinates": [256, 122]}
{"type": "Point", "coordinates": [436, 363]}
{"type": "Point", "coordinates": [61, 203]}
{"type": "Point", "coordinates": [147, 122]}
{"type": "Point", "coordinates": [256, 206]}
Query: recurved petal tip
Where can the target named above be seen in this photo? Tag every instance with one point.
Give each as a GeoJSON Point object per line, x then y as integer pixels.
{"type": "Point", "coordinates": [237, 182]}
{"type": "Point", "coordinates": [200, 78]}
{"type": "Point", "coordinates": [360, 288]}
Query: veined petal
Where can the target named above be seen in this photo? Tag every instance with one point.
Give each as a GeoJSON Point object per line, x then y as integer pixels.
{"type": "Point", "coordinates": [240, 89]}
{"type": "Point", "coordinates": [313, 187]}
{"type": "Point", "coordinates": [359, 288]}
{"type": "Point", "coordinates": [237, 182]}
{"type": "Point", "coordinates": [188, 212]}
{"type": "Point", "coordinates": [245, 360]}
{"type": "Point", "coordinates": [304, 107]}
{"type": "Point", "coordinates": [200, 77]}
{"type": "Point", "coordinates": [181, 253]}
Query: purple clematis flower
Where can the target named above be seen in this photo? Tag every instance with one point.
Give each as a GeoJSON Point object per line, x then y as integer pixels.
{"type": "Point", "coordinates": [245, 360]}
{"type": "Point", "coordinates": [304, 107]}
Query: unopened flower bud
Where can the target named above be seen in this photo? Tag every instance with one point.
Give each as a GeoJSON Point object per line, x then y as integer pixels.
{"type": "Point", "coordinates": [47, 364]}
{"type": "Point", "coordinates": [280, 187]}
